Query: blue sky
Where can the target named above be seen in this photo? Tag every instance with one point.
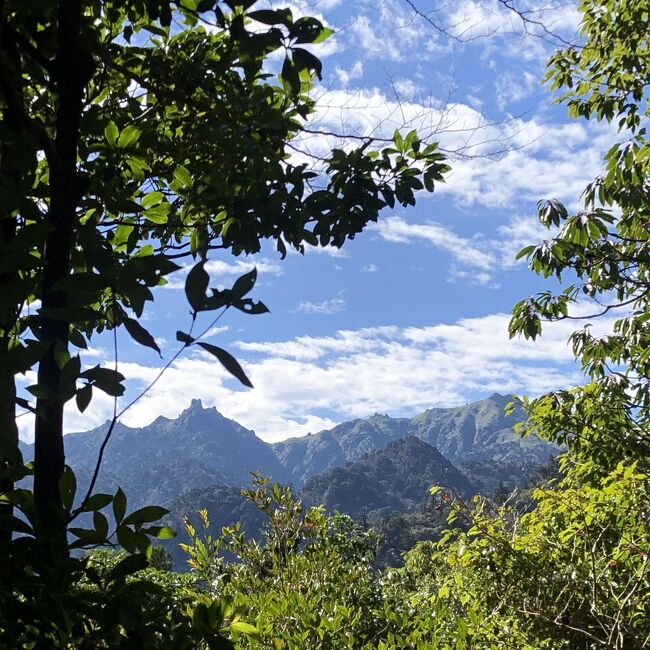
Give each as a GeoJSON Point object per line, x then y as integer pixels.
{"type": "Point", "coordinates": [413, 313]}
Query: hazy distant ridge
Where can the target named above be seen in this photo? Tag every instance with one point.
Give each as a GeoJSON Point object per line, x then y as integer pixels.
{"type": "Point", "coordinates": [478, 431]}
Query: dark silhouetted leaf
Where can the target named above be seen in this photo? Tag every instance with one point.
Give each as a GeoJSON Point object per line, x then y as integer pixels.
{"type": "Point", "coordinates": [228, 362]}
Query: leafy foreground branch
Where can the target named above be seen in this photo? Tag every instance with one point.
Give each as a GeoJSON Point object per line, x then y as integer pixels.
{"type": "Point", "coordinates": [137, 139]}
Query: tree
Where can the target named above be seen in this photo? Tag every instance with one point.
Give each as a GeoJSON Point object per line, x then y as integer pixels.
{"type": "Point", "coordinates": [574, 572]}
{"type": "Point", "coordinates": [308, 582]}
{"type": "Point", "coordinates": [603, 248]}
{"type": "Point", "coordinates": [136, 135]}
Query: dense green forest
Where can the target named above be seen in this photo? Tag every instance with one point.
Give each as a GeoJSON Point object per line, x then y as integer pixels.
{"type": "Point", "coordinates": [83, 232]}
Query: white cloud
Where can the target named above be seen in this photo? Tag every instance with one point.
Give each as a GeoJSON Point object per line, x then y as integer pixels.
{"type": "Point", "coordinates": [329, 251]}
{"type": "Point", "coordinates": [219, 269]}
{"type": "Point", "coordinates": [491, 18]}
{"type": "Point", "coordinates": [474, 101]}
{"type": "Point", "coordinates": [215, 331]}
{"type": "Point", "coordinates": [511, 87]}
{"type": "Point", "coordinates": [544, 161]}
{"type": "Point", "coordinates": [466, 252]}
{"type": "Point", "coordinates": [406, 88]}
{"type": "Point", "coordinates": [370, 268]}
{"type": "Point", "coordinates": [390, 32]}
{"type": "Point", "coordinates": [101, 409]}
{"type": "Point", "coordinates": [493, 164]}
{"type": "Point", "coordinates": [345, 76]}
{"type": "Point", "coordinates": [518, 233]}
{"type": "Point", "coordinates": [329, 306]}
{"type": "Point", "coordinates": [476, 260]}
{"type": "Point", "coordinates": [308, 383]}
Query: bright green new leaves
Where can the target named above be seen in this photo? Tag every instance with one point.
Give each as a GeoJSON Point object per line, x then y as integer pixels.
{"type": "Point", "coordinates": [571, 573]}
{"type": "Point", "coordinates": [308, 583]}
{"type": "Point", "coordinates": [606, 76]}
{"type": "Point", "coordinates": [602, 250]}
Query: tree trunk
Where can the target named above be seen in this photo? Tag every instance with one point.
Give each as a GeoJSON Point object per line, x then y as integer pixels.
{"type": "Point", "coordinates": [72, 70]}
{"type": "Point", "coordinates": [9, 312]}
{"type": "Point", "coordinates": [9, 454]}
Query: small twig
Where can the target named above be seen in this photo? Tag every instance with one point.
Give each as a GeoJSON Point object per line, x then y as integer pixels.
{"type": "Point", "coordinates": [117, 416]}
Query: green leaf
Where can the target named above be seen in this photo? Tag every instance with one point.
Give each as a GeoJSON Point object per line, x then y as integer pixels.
{"type": "Point", "coordinates": [128, 566]}
{"type": "Point", "coordinates": [161, 532]}
{"type": "Point", "coordinates": [525, 252]}
{"type": "Point", "coordinates": [97, 502]}
{"type": "Point", "coordinates": [67, 488]}
{"type": "Point", "coordinates": [153, 198]}
{"type": "Point", "coordinates": [228, 362]}
{"type": "Point", "coordinates": [269, 17]}
{"type": "Point", "coordinates": [305, 60]}
{"type": "Point", "coordinates": [249, 306]}
{"type": "Point", "coordinates": [145, 515]}
{"type": "Point", "coordinates": [244, 284]}
{"type": "Point", "coordinates": [106, 379]}
{"type": "Point", "coordinates": [111, 133]}
{"type": "Point", "coordinates": [140, 334]}
{"type": "Point", "coordinates": [158, 214]}
{"type": "Point", "coordinates": [184, 338]}
{"type": "Point", "coordinates": [126, 539]}
{"type": "Point", "coordinates": [183, 176]}
{"type": "Point", "coordinates": [196, 285]}
{"type": "Point", "coordinates": [9, 522]}
{"type": "Point", "coordinates": [245, 628]}
{"type": "Point", "coordinates": [83, 397]}
{"type": "Point", "coordinates": [100, 523]}
{"type": "Point", "coordinates": [290, 78]}
{"type": "Point", "coordinates": [324, 34]}
{"type": "Point", "coordinates": [307, 30]}
{"type": "Point", "coordinates": [128, 137]}
{"type": "Point", "coordinates": [119, 506]}
{"type": "Point", "coordinates": [41, 392]}
{"type": "Point", "coordinates": [77, 338]}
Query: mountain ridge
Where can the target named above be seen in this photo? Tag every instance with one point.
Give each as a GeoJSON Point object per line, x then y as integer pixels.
{"type": "Point", "coordinates": [201, 447]}
{"type": "Point", "coordinates": [478, 431]}
{"type": "Point", "coordinates": [396, 477]}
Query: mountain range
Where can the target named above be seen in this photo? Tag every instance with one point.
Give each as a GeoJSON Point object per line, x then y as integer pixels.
{"type": "Point", "coordinates": [480, 431]}
{"type": "Point", "coordinates": [202, 448]}
{"type": "Point", "coordinates": [377, 470]}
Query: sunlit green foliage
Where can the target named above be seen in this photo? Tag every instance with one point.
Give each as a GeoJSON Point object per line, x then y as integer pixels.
{"type": "Point", "coordinates": [572, 573]}
{"type": "Point", "coordinates": [309, 582]}
{"type": "Point", "coordinates": [602, 250]}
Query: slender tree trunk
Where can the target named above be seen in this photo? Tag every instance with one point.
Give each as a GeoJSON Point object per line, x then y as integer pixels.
{"type": "Point", "coordinates": [72, 71]}
{"type": "Point", "coordinates": [9, 453]}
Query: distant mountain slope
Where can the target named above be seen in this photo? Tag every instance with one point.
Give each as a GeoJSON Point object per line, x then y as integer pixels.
{"type": "Point", "coordinates": [201, 448]}
{"type": "Point", "coordinates": [158, 462]}
{"type": "Point", "coordinates": [396, 478]}
{"type": "Point", "coordinates": [474, 432]}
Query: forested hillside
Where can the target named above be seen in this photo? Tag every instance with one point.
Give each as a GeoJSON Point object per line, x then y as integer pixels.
{"type": "Point", "coordinates": [396, 477]}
